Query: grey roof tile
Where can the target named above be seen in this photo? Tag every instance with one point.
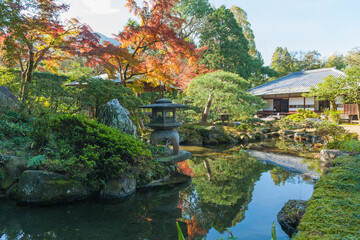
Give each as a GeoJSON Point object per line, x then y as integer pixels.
{"type": "Point", "coordinates": [297, 82]}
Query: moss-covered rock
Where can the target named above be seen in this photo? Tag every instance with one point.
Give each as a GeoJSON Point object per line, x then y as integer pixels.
{"type": "Point", "coordinates": [40, 187]}
{"type": "Point", "coordinates": [11, 171]}
{"type": "Point", "coordinates": [290, 215]}
{"type": "Point", "coordinates": [119, 188]}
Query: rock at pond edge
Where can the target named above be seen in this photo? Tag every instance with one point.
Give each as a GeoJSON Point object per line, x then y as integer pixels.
{"type": "Point", "coordinates": [119, 188]}
{"type": "Point", "coordinates": [290, 215]}
{"type": "Point", "coordinates": [327, 155]}
{"type": "Point", "coordinates": [169, 181]}
{"type": "Point", "coordinates": [43, 188]}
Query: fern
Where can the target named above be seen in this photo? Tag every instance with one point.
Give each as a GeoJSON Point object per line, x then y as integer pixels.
{"type": "Point", "coordinates": [36, 161]}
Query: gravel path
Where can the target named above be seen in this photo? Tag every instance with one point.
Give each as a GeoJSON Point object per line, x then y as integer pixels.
{"type": "Point", "coordinates": [353, 129]}
{"type": "Point", "coordinates": [290, 163]}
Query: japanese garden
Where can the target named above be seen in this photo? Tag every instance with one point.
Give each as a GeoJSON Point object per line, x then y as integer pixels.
{"type": "Point", "coordinates": [175, 127]}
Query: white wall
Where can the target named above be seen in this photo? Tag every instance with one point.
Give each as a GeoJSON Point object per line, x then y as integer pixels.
{"type": "Point", "coordinates": [269, 105]}
{"type": "Point", "coordinates": [310, 101]}
{"type": "Point", "coordinates": [298, 102]}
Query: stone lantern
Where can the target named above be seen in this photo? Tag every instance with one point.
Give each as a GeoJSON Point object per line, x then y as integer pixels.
{"type": "Point", "coordinates": [163, 122]}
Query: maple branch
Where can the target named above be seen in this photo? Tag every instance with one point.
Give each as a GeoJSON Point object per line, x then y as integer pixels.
{"type": "Point", "coordinates": [40, 55]}
{"type": "Point", "coordinates": [21, 65]}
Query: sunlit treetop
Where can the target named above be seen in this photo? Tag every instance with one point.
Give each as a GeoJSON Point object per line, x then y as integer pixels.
{"type": "Point", "coordinates": [33, 35]}
{"type": "Point", "coordinates": [151, 48]}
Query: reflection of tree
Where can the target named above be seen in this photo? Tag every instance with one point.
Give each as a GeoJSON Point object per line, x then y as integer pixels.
{"type": "Point", "coordinates": [222, 201]}
{"type": "Point", "coordinates": [146, 216]}
{"type": "Point", "coordinates": [185, 169]}
{"type": "Point", "coordinates": [279, 175]}
{"type": "Point", "coordinates": [301, 149]}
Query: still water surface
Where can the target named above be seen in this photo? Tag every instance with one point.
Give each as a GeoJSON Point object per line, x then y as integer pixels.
{"type": "Point", "coordinates": [231, 194]}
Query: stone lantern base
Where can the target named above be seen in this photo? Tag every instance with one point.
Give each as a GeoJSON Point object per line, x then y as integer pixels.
{"type": "Point", "coordinates": [171, 135]}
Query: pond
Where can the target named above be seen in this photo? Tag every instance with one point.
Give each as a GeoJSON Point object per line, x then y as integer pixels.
{"type": "Point", "coordinates": [231, 194]}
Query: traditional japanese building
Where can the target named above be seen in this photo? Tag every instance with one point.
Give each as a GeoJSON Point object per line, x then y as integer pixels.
{"type": "Point", "coordinates": [284, 95]}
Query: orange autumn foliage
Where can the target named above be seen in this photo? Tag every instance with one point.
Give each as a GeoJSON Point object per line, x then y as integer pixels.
{"type": "Point", "coordinates": [34, 35]}
{"type": "Point", "coordinates": [151, 51]}
{"type": "Point", "coordinates": [194, 229]}
{"type": "Point", "coordinates": [185, 169]}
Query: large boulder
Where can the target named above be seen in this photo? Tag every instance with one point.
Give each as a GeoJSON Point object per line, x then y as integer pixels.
{"type": "Point", "coordinates": [116, 116]}
{"type": "Point", "coordinates": [251, 136]}
{"type": "Point", "coordinates": [288, 134]}
{"type": "Point", "coordinates": [290, 215]}
{"type": "Point", "coordinates": [41, 187]}
{"type": "Point", "coordinates": [168, 181]}
{"type": "Point", "coordinates": [7, 98]}
{"type": "Point", "coordinates": [327, 155]}
{"type": "Point", "coordinates": [119, 188]}
{"type": "Point", "coordinates": [11, 171]}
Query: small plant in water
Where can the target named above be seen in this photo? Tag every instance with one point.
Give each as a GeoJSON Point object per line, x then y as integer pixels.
{"type": "Point", "coordinates": [180, 234]}
{"type": "Point", "coordinates": [273, 231]}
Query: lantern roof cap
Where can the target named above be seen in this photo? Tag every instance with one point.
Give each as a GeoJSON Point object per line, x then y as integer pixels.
{"type": "Point", "coordinates": [164, 103]}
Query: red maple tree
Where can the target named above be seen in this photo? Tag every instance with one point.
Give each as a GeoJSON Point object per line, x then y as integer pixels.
{"type": "Point", "coordinates": [33, 34]}
{"type": "Point", "coordinates": [151, 51]}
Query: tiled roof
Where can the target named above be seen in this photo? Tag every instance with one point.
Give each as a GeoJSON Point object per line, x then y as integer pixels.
{"type": "Point", "coordinates": [297, 82]}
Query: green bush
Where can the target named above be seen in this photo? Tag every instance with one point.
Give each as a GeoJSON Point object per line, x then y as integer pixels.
{"type": "Point", "coordinates": [302, 115]}
{"type": "Point", "coordinates": [88, 150]}
{"type": "Point", "coordinates": [328, 128]}
{"type": "Point", "coordinates": [352, 145]}
{"type": "Point", "coordinates": [333, 116]}
{"type": "Point", "coordinates": [11, 130]}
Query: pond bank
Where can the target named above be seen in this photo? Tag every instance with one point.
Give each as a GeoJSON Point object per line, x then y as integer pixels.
{"type": "Point", "coordinates": [333, 210]}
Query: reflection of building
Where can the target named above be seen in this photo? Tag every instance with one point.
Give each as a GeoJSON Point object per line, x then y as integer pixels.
{"type": "Point", "coordinates": [284, 95]}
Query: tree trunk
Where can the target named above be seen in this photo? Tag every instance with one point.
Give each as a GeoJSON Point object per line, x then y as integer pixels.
{"type": "Point", "coordinates": [208, 170]}
{"type": "Point", "coordinates": [358, 113]}
{"type": "Point", "coordinates": [22, 87]}
{"type": "Point", "coordinates": [207, 109]}
{"type": "Point", "coordinates": [26, 78]}
{"type": "Point", "coordinates": [333, 106]}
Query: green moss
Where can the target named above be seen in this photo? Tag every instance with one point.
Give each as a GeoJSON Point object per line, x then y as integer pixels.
{"type": "Point", "coordinates": [334, 208]}
{"type": "Point", "coordinates": [6, 183]}
{"type": "Point", "coordinates": [62, 182]}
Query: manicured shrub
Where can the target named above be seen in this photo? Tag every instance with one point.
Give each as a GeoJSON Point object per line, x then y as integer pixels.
{"type": "Point", "coordinates": [333, 116]}
{"type": "Point", "coordinates": [302, 115]}
{"type": "Point", "coordinates": [88, 150]}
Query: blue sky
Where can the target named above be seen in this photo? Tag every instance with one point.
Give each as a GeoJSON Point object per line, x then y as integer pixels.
{"type": "Point", "coordinates": [328, 26]}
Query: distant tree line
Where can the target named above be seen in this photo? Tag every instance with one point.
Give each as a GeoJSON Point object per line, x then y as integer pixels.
{"type": "Point", "coordinates": [285, 62]}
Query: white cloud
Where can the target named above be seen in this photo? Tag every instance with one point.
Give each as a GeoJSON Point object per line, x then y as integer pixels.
{"type": "Point", "coordinates": [99, 7]}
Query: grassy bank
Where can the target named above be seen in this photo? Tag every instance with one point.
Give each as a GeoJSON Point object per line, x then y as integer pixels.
{"type": "Point", "coordinates": [334, 208]}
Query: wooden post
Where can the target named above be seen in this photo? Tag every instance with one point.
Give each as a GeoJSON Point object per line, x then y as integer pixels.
{"type": "Point", "coordinates": [304, 103]}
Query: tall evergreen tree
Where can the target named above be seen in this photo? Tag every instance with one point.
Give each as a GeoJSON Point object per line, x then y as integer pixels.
{"type": "Point", "coordinates": [227, 48]}
{"type": "Point", "coordinates": [282, 61]}
{"type": "Point", "coordinates": [241, 18]}
{"type": "Point", "coordinates": [195, 14]}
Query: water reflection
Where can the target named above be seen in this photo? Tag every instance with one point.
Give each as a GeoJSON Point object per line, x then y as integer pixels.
{"type": "Point", "coordinates": [224, 186]}
{"type": "Point", "coordinates": [220, 201]}
{"type": "Point", "coordinates": [147, 215]}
